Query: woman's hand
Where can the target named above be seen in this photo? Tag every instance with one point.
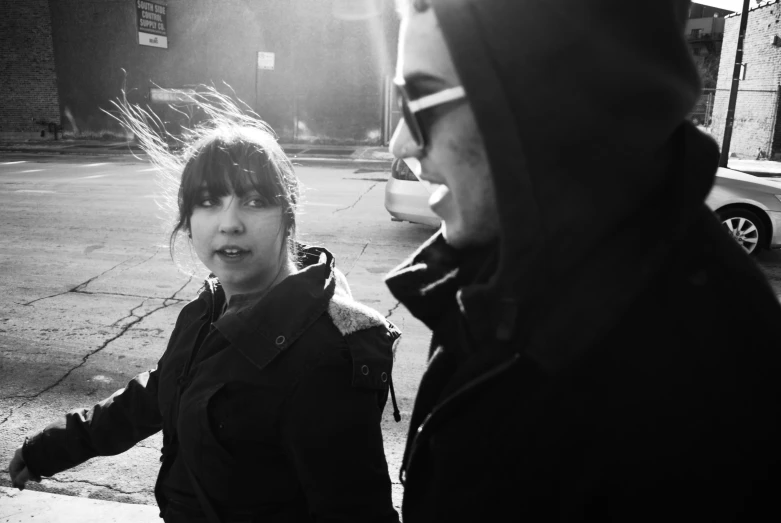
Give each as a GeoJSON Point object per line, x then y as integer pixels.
{"type": "Point", "coordinates": [18, 470]}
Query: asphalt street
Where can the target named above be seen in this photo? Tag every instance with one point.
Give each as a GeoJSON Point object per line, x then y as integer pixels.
{"type": "Point", "coordinates": [91, 295]}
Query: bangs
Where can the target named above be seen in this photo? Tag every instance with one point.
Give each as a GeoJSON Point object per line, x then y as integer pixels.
{"type": "Point", "coordinates": [229, 150]}
{"type": "Point", "coordinates": [236, 167]}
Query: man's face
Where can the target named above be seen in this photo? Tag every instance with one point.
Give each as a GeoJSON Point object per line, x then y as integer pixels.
{"type": "Point", "coordinates": [454, 157]}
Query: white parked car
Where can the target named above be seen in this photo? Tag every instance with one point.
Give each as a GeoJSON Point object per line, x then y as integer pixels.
{"type": "Point", "coordinates": [749, 206]}
{"type": "Point", "coordinates": [406, 196]}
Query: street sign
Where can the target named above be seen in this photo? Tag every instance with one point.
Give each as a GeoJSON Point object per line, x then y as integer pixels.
{"type": "Point", "coordinates": [266, 61]}
{"type": "Point", "coordinates": [152, 23]}
{"type": "Point", "coordinates": [171, 96]}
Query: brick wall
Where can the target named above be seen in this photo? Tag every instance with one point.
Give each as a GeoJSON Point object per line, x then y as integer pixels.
{"type": "Point", "coordinates": [28, 82]}
{"type": "Point", "coordinates": [756, 112]}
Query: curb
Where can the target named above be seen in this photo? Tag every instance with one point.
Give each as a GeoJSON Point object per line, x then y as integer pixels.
{"type": "Point", "coordinates": [56, 508]}
{"type": "Point", "coordinates": [762, 174]}
{"type": "Point", "coordinates": [376, 165]}
{"type": "Point", "coordinates": [314, 161]}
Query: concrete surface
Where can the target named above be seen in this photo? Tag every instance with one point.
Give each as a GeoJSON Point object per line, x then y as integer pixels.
{"type": "Point", "coordinates": [91, 295]}
{"type": "Point", "coordinates": [16, 506]}
{"type": "Point", "coordinates": [756, 167]}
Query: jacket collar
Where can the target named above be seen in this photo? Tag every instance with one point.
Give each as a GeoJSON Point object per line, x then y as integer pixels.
{"type": "Point", "coordinates": [262, 329]}
{"type": "Point", "coordinates": [434, 278]}
{"type": "Point", "coordinates": [426, 283]}
{"type": "Point", "coordinates": [261, 326]}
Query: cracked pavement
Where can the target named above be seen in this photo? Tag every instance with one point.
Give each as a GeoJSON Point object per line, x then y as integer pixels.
{"type": "Point", "coordinates": [358, 258]}
{"type": "Point", "coordinates": [78, 288]}
{"type": "Point", "coordinates": [392, 310]}
{"type": "Point", "coordinates": [108, 355]}
{"type": "Point", "coordinates": [123, 329]}
{"type": "Point", "coordinates": [360, 197]}
{"type": "Point", "coordinates": [91, 295]}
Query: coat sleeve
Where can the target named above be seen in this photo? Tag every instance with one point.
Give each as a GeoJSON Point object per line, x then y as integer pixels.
{"type": "Point", "coordinates": [332, 433]}
{"type": "Point", "coordinates": [111, 427]}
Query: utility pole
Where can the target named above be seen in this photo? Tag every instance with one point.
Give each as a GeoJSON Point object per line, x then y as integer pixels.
{"type": "Point", "coordinates": [733, 92]}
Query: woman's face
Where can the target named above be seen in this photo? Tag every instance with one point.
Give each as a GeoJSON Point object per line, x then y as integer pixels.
{"type": "Point", "coordinates": [239, 239]}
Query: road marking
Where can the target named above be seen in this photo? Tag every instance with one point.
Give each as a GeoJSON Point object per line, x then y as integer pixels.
{"type": "Point", "coordinates": [28, 171]}
{"type": "Point", "coordinates": [13, 163]}
{"type": "Point", "coordinates": [88, 177]}
{"type": "Point", "coordinates": [34, 191]}
{"type": "Point", "coordinates": [94, 164]}
{"type": "Point", "coordinates": [317, 204]}
{"type": "Point", "coordinates": [148, 170]}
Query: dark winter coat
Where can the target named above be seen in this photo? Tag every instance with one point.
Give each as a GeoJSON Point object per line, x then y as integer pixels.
{"type": "Point", "coordinates": [275, 407]}
{"type": "Point", "coordinates": [615, 355]}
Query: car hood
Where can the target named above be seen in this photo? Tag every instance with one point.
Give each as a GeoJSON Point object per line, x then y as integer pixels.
{"type": "Point", "coordinates": [741, 180]}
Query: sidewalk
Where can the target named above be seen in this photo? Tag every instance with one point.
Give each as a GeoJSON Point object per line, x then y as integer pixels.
{"type": "Point", "coordinates": [29, 505]}
{"type": "Point", "coordinates": [756, 167]}
{"type": "Point", "coordinates": [302, 154]}
{"type": "Point", "coordinates": [365, 157]}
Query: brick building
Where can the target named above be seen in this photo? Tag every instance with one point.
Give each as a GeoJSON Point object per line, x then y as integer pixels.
{"type": "Point", "coordinates": [756, 131]}
{"type": "Point", "coordinates": [326, 64]}
{"type": "Point", "coordinates": [705, 31]}
{"type": "Point", "coordinates": [28, 82]}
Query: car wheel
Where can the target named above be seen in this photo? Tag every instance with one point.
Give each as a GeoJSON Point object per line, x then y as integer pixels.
{"type": "Point", "coordinates": [745, 227]}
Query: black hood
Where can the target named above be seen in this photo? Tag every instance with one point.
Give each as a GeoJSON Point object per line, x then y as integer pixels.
{"type": "Point", "coordinates": [581, 104]}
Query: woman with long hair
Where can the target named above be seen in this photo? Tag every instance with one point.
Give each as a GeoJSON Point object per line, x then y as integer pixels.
{"type": "Point", "coordinates": [271, 391]}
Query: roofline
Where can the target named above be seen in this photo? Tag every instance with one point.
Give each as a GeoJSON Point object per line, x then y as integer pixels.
{"type": "Point", "coordinates": [758, 6]}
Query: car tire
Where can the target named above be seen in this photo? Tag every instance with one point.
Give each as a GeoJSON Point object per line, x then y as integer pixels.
{"type": "Point", "coordinates": [746, 227]}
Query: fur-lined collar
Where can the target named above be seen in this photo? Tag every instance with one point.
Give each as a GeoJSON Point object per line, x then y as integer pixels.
{"type": "Point", "coordinates": [348, 315]}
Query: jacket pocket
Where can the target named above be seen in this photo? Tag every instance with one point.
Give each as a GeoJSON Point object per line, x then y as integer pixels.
{"type": "Point", "coordinates": [211, 449]}
{"type": "Point", "coordinates": [211, 463]}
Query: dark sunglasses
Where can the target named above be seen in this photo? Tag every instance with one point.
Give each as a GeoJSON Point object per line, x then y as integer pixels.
{"type": "Point", "coordinates": [410, 108]}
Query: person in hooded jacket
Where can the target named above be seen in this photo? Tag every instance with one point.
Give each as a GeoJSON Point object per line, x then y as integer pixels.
{"type": "Point", "coordinates": [271, 391]}
{"type": "Point", "coordinates": [602, 350]}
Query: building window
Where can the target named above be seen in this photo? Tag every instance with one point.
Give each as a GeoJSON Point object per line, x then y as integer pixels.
{"type": "Point", "coordinates": [696, 33]}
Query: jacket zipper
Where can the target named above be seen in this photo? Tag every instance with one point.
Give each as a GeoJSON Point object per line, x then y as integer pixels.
{"type": "Point", "coordinates": [185, 378]}
{"type": "Point", "coordinates": [170, 447]}
{"type": "Point", "coordinates": [442, 407]}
